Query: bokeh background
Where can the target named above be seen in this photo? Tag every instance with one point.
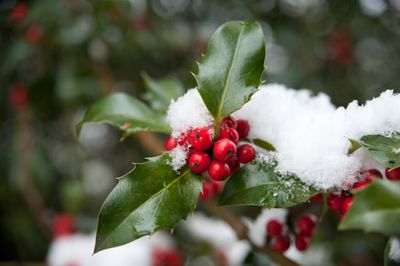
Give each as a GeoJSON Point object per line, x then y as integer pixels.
{"type": "Point", "coordinates": [59, 56]}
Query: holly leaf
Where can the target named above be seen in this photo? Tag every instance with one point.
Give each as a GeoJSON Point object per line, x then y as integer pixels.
{"type": "Point", "coordinates": [263, 144]}
{"type": "Point", "coordinates": [125, 113]}
{"type": "Point", "coordinates": [385, 150]}
{"type": "Point", "coordinates": [149, 198]}
{"type": "Point", "coordinates": [258, 184]}
{"type": "Point", "coordinates": [392, 252]}
{"type": "Point", "coordinates": [230, 72]}
{"type": "Point", "coordinates": [375, 208]}
{"type": "Point", "coordinates": [160, 92]}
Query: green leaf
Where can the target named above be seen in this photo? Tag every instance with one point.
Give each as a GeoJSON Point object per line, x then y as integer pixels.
{"type": "Point", "coordinates": [230, 72]}
{"type": "Point", "coordinates": [263, 144]}
{"type": "Point", "coordinates": [385, 150]}
{"type": "Point", "coordinates": [389, 261]}
{"type": "Point", "coordinates": [375, 209]}
{"type": "Point", "coordinates": [125, 113]}
{"type": "Point", "coordinates": [355, 145]}
{"type": "Point", "coordinates": [149, 198]}
{"type": "Point", "coordinates": [160, 92]}
{"type": "Point", "coordinates": [257, 183]}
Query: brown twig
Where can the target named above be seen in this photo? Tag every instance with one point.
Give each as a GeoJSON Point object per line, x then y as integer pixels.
{"type": "Point", "coordinates": [29, 191]}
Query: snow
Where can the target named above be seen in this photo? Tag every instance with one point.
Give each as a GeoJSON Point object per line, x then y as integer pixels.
{"type": "Point", "coordinates": [188, 112]}
{"type": "Point", "coordinates": [311, 134]}
{"type": "Point", "coordinates": [394, 252]}
{"type": "Point", "coordinates": [77, 249]}
{"type": "Point", "coordinates": [178, 157]}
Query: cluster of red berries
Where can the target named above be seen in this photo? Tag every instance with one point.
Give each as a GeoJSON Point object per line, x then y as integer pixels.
{"type": "Point", "coordinates": [166, 257]}
{"type": "Point", "coordinates": [278, 237]}
{"type": "Point", "coordinates": [341, 202]}
{"type": "Point", "coordinates": [220, 157]}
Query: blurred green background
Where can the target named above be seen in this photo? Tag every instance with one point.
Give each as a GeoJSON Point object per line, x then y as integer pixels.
{"type": "Point", "coordinates": [59, 56]}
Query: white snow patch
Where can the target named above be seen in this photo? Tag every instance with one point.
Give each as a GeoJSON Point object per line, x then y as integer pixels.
{"type": "Point", "coordinates": [394, 252]}
{"type": "Point", "coordinates": [78, 249]}
{"type": "Point", "coordinates": [311, 135]}
{"type": "Point", "coordinates": [188, 112]}
{"type": "Point", "coordinates": [178, 157]}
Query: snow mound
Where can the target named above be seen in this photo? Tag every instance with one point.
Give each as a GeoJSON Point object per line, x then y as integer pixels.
{"type": "Point", "coordinates": [311, 135]}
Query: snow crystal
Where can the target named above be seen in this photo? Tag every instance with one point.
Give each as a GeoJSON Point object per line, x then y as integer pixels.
{"type": "Point", "coordinates": [178, 157]}
{"type": "Point", "coordinates": [188, 112]}
{"type": "Point", "coordinates": [394, 252]}
{"type": "Point", "coordinates": [311, 135]}
{"type": "Point", "coordinates": [257, 230]}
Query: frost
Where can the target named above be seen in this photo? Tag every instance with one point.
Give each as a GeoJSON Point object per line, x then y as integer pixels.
{"type": "Point", "coordinates": [311, 135]}
{"type": "Point", "coordinates": [178, 157]}
{"type": "Point", "coordinates": [188, 112]}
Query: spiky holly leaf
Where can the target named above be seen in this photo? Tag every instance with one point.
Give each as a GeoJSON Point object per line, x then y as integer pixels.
{"type": "Point", "coordinates": [375, 208]}
{"type": "Point", "coordinates": [258, 183]}
{"type": "Point", "coordinates": [385, 150]}
{"type": "Point", "coordinates": [230, 71]}
{"type": "Point", "coordinates": [125, 113]}
{"type": "Point", "coordinates": [149, 198]}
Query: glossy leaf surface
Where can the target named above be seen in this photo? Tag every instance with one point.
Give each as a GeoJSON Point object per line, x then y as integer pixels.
{"type": "Point", "coordinates": [125, 113]}
{"type": "Point", "coordinates": [375, 208]}
{"type": "Point", "coordinates": [149, 198]}
{"type": "Point", "coordinates": [258, 184]}
{"type": "Point", "coordinates": [230, 72]}
{"type": "Point", "coordinates": [385, 150]}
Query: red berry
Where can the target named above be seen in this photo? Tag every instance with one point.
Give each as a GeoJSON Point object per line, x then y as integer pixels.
{"type": "Point", "coordinates": [199, 161]}
{"type": "Point", "coordinates": [281, 243]}
{"type": "Point", "coordinates": [274, 228]}
{"type": "Point", "coordinates": [164, 257]}
{"type": "Point", "coordinates": [373, 173]}
{"type": "Point", "coordinates": [228, 122]}
{"type": "Point", "coordinates": [306, 224]}
{"type": "Point", "coordinates": [182, 139]}
{"type": "Point", "coordinates": [207, 191]}
{"type": "Point", "coordinates": [393, 174]}
{"type": "Point", "coordinates": [367, 176]}
{"type": "Point", "coordinates": [317, 198]}
{"type": "Point", "coordinates": [34, 34]}
{"type": "Point", "coordinates": [229, 133]}
{"type": "Point", "coordinates": [170, 143]}
{"type": "Point", "coordinates": [335, 202]}
{"type": "Point", "coordinates": [63, 224]}
{"type": "Point", "coordinates": [219, 171]}
{"type": "Point", "coordinates": [18, 96]}
{"type": "Point", "coordinates": [225, 150]}
{"type": "Point", "coordinates": [246, 153]}
{"type": "Point", "coordinates": [200, 139]}
{"type": "Point", "coordinates": [243, 128]}
{"type": "Point", "coordinates": [302, 242]}
{"type": "Point", "coordinates": [19, 12]}
{"type": "Point", "coordinates": [234, 165]}
{"type": "Point", "coordinates": [347, 202]}
{"type": "Point", "coordinates": [217, 186]}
